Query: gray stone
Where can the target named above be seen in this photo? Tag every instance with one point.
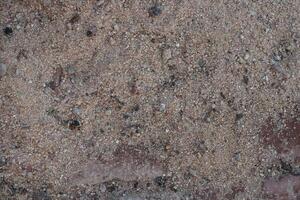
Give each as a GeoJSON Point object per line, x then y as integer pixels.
{"type": "Point", "coordinates": [3, 69]}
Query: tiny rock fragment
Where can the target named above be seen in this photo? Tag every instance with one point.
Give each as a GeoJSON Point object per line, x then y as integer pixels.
{"type": "Point", "coordinates": [166, 54]}
{"type": "Point", "coordinates": [201, 63]}
{"type": "Point", "coordinates": [3, 69]}
{"type": "Point", "coordinates": [75, 18]}
{"type": "Point", "coordinates": [154, 11]}
{"type": "Point", "coordinates": [239, 116]}
{"type": "Point", "coordinates": [8, 31]}
{"type": "Point", "coordinates": [56, 78]}
{"type": "Point", "coordinates": [74, 124]}
{"type": "Point", "coordinates": [91, 31]}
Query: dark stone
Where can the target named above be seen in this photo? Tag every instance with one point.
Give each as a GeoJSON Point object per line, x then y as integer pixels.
{"type": "Point", "coordinates": [135, 185]}
{"type": "Point", "coordinates": [239, 116]}
{"type": "Point", "coordinates": [286, 168]}
{"type": "Point", "coordinates": [161, 181]}
{"type": "Point", "coordinates": [8, 31]}
{"type": "Point", "coordinates": [89, 33]}
{"type": "Point", "coordinates": [154, 11]}
{"type": "Point", "coordinates": [74, 124]}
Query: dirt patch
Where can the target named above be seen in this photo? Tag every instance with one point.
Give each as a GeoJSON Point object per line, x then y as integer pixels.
{"type": "Point", "coordinates": [123, 99]}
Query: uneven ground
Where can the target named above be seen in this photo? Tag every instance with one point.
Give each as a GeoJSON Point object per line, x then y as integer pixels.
{"type": "Point", "coordinates": [140, 99]}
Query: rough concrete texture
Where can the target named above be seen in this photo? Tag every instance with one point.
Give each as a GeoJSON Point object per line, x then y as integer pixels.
{"type": "Point", "coordinates": [142, 99]}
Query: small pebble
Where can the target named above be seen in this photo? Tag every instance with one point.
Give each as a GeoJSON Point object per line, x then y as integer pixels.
{"type": "Point", "coordinates": [3, 69]}
{"type": "Point", "coordinates": [91, 31]}
{"type": "Point", "coordinates": [77, 111]}
{"type": "Point", "coordinates": [154, 11]}
{"type": "Point", "coordinates": [74, 124]}
{"type": "Point", "coordinates": [237, 156]}
{"type": "Point", "coordinates": [8, 31]}
{"type": "Point", "coordinates": [162, 107]}
{"type": "Point", "coordinates": [167, 54]}
{"type": "Point", "coordinates": [2, 161]}
{"type": "Point", "coordinates": [116, 27]}
{"type": "Point", "coordinates": [102, 188]}
{"type": "Point", "coordinates": [238, 116]}
{"type": "Point", "coordinates": [241, 60]}
{"type": "Point", "coordinates": [161, 181]}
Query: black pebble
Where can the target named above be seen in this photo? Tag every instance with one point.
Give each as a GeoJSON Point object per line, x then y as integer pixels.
{"type": "Point", "coordinates": [89, 33]}
{"type": "Point", "coordinates": [286, 167]}
{"type": "Point", "coordinates": [154, 11]}
{"type": "Point", "coordinates": [74, 124]}
{"type": "Point", "coordinates": [238, 116]}
{"type": "Point", "coordinates": [161, 181]}
{"type": "Point", "coordinates": [135, 184]}
{"type": "Point", "coordinates": [8, 31]}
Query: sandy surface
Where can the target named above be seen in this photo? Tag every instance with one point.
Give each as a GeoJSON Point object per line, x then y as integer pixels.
{"type": "Point", "coordinates": [129, 99]}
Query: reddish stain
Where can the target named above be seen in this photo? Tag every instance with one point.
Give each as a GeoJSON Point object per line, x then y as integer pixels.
{"type": "Point", "coordinates": [27, 168]}
{"type": "Point", "coordinates": [236, 189]}
{"type": "Point", "coordinates": [284, 188]}
{"type": "Point", "coordinates": [286, 140]}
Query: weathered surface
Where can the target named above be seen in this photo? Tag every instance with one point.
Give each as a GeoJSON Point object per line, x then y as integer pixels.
{"type": "Point", "coordinates": [139, 99]}
{"type": "Point", "coordinates": [284, 137]}
{"type": "Point", "coordinates": [126, 164]}
{"type": "Point", "coordinates": [286, 188]}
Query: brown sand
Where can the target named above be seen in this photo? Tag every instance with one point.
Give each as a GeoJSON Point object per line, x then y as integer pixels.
{"type": "Point", "coordinates": [129, 99]}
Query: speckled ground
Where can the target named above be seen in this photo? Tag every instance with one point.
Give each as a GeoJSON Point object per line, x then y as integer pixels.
{"type": "Point", "coordinates": [138, 99]}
